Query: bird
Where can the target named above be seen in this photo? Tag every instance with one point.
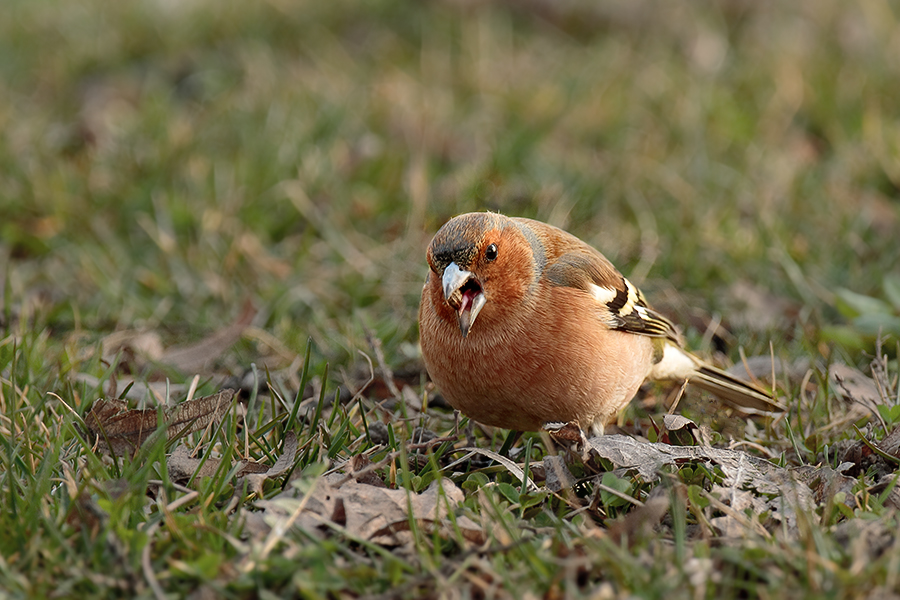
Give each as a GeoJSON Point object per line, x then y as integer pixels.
{"type": "Point", "coordinates": [524, 326]}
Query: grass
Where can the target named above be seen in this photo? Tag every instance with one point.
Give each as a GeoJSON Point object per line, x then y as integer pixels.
{"type": "Point", "coordinates": [163, 163]}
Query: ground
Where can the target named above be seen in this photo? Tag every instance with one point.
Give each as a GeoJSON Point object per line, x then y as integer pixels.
{"type": "Point", "coordinates": [205, 196]}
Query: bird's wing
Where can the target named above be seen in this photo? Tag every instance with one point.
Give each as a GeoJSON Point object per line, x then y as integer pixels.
{"type": "Point", "coordinates": [571, 262]}
{"type": "Point", "coordinates": [622, 304]}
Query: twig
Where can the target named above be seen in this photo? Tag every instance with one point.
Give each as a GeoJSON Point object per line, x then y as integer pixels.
{"type": "Point", "coordinates": [191, 390]}
{"type": "Point", "coordinates": [678, 397]}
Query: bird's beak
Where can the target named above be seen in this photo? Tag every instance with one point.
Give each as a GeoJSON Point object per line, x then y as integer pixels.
{"type": "Point", "coordinates": [463, 293]}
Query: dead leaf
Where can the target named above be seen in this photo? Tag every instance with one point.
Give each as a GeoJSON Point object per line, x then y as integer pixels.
{"type": "Point", "coordinates": [140, 347]}
{"type": "Point", "coordinates": [362, 471]}
{"type": "Point", "coordinates": [859, 391]}
{"type": "Point", "coordinates": [777, 491]}
{"type": "Point", "coordinates": [734, 523]}
{"type": "Point", "coordinates": [565, 433]}
{"type": "Point", "coordinates": [825, 483]}
{"type": "Point", "coordinates": [285, 462]}
{"type": "Point", "coordinates": [288, 455]}
{"type": "Point", "coordinates": [684, 431]}
{"type": "Point", "coordinates": [801, 491]}
{"type": "Point", "coordinates": [740, 469]}
{"type": "Point", "coordinates": [376, 514]}
{"type": "Point", "coordinates": [891, 443]}
{"type": "Point", "coordinates": [557, 474]}
{"type": "Point", "coordinates": [197, 357]}
{"type": "Point", "coordinates": [116, 429]}
{"type": "Point", "coordinates": [893, 497]}
{"type": "Point", "coordinates": [182, 466]}
{"type": "Point", "coordinates": [641, 521]}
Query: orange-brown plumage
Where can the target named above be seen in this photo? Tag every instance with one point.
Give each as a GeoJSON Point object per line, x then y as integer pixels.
{"type": "Point", "coordinates": [523, 324]}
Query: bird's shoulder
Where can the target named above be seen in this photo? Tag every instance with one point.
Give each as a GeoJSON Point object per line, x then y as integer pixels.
{"type": "Point", "coordinates": [572, 263]}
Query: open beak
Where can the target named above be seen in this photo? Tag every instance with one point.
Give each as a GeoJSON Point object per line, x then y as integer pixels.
{"type": "Point", "coordinates": [463, 293]}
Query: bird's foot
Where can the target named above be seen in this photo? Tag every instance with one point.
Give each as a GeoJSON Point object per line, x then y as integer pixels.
{"type": "Point", "coordinates": [570, 435]}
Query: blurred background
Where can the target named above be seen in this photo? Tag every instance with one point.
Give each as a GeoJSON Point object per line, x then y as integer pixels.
{"type": "Point", "coordinates": [164, 162]}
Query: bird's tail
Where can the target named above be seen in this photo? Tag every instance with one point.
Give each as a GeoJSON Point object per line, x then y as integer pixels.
{"type": "Point", "coordinates": [742, 395]}
{"type": "Point", "coordinates": [679, 364]}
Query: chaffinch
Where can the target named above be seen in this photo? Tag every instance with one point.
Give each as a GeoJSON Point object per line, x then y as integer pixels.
{"type": "Point", "coordinates": [524, 325]}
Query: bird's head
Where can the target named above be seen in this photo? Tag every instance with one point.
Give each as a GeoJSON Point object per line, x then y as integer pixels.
{"type": "Point", "coordinates": [483, 264]}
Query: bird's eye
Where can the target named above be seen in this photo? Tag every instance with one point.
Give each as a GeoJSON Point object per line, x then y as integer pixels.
{"type": "Point", "coordinates": [491, 252]}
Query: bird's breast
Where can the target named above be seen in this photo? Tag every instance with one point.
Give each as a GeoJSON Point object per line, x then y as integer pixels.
{"type": "Point", "coordinates": [526, 368]}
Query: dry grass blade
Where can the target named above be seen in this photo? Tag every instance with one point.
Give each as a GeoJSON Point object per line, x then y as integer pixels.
{"type": "Point", "coordinates": [512, 467]}
{"type": "Point", "coordinates": [147, 566]}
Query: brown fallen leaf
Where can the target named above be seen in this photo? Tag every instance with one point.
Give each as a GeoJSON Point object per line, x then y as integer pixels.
{"type": "Point", "coordinates": [285, 462]}
{"type": "Point", "coordinates": [250, 474]}
{"type": "Point", "coordinates": [860, 393]}
{"type": "Point", "coordinates": [640, 522]}
{"type": "Point", "coordinates": [891, 443]}
{"type": "Point", "coordinates": [116, 429]}
{"type": "Point", "coordinates": [825, 483]}
{"type": "Point", "coordinates": [779, 493]}
{"type": "Point", "coordinates": [197, 357]}
{"type": "Point", "coordinates": [680, 429]}
{"type": "Point", "coordinates": [735, 523]}
{"type": "Point", "coordinates": [362, 470]}
{"type": "Point", "coordinates": [376, 514]}
{"type": "Point", "coordinates": [140, 347]}
{"type": "Point", "coordinates": [182, 466]}
{"type": "Point", "coordinates": [854, 386]}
